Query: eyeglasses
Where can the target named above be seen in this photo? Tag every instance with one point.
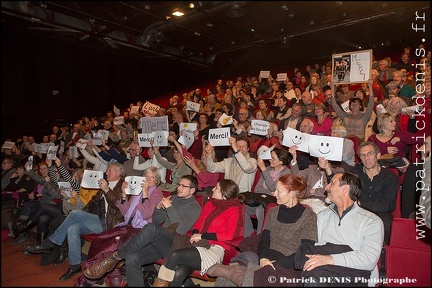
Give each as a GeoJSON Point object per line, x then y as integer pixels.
{"type": "Point", "coordinates": [184, 186]}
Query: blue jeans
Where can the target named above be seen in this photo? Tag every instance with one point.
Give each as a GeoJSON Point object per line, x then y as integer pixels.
{"type": "Point", "coordinates": [76, 223]}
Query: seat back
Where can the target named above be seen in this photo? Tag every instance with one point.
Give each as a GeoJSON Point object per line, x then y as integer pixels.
{"type": "Point", "coordinates": [256, 179]}
{"type": "Point", "coordinates": [397, 213]}
{"type": "Point", "coordinates": [406, 234]}
{"type": "Point", "coordinates": [408, 264]}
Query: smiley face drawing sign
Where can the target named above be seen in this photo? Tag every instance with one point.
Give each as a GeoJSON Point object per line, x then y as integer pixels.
{"type": "Point", "coordinates": [326, 146]}
{"type": "Point", "coordinates": [293, 137]}
{"type": "Point", "coordinates": [134, 185]}
{"type": "Point", "coordinates": [160, 138]}
{"type": "Point", "coordinates": [90, 179]}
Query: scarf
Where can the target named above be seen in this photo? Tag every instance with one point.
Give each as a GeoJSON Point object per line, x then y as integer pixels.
{"type": "Point", "coordinates": [133, 215]}
{"type": "Point", "coordinates": [220, 207]}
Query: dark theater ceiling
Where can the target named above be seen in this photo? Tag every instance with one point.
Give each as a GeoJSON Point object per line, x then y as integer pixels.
{"type": "Point", "coordinates": [213, 32]}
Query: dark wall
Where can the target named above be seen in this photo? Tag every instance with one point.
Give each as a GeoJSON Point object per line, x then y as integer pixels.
{"type": "Point", "coordinates": [89, 82]}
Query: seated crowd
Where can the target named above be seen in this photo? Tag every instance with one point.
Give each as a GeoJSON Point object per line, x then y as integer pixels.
{"type": "Point", "coordinates": [290, 209]}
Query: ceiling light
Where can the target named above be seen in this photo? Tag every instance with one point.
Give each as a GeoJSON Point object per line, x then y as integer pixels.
{"type": "Point", "coordinates": [210, 24]}
{"type": "Point", "coordinates": [253, 30]}
{"type": "Point", "coordinates": [197, 34]}
{"type": "Point", "coordinates": [191, 5]}
{"type": "Point", "coordinates": [177, 13]}
{"type": "Point", "coordinates": [284, 7]}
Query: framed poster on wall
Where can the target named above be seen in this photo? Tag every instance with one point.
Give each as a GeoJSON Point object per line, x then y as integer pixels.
{"type": "Point", "coordinates": [352, 67]}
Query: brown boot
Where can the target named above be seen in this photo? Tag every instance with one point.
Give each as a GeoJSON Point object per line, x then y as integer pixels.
{"type": "Point", "coordinates": [164, 273]}
{"type": "Point", "coordinates": [233, 272]}
{"type": "Point", "coordinates": [101, 267]}
{"type": "Point", "coordinates": [160, 283]}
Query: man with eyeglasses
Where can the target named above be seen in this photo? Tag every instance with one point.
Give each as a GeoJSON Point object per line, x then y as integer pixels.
{"type": "Point", "coordinates": [379, 185]}
{"type": "Point", "coordinates": [153, 242]}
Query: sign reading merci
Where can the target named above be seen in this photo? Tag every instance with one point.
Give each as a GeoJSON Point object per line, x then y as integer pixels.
{"type": "Point", "coordinates": [219, 136]}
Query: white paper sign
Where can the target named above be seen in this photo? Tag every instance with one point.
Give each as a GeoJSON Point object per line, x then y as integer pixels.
{"type": "Point", "coordinates": [260, 127]}
{"type": "Point", "coordinates": [116, 110]}
{"type": "Point", "coordinates": [119, 120]}
{"type": "Point", "coordinates": [105, 133]}
{"type": "Point", "coordinates": [88, 137]}
{"type": "Point", "coordinates": [8, 145]}
{"type": "Point", "coordinates": [187, 138]}
{"type": "Point", "coordinates": [134, 184]}
{"type": "Point", "coordinates": [37, 148]}
{"type": "Point", "coordinates": [219, 136]}
{"type": "Point", "coordinates": [73, 152]}
{"type": "Point", "coordinates": [134, 110]}
{"type": "Point", "coordinates": [225, 119]}
{"type": "Point", "coordinates": [345, 106]}
{"type": "Point", "coordinates": [264, 74]}
{"type": "Point", "coordinates": [293, 137]}
{"type": "Point", "coordinates": [29, 163]}
{"type": "Point", "coordinates": [266, 153]}
{"type": "Point", "coordinates": [151, 124]}
{"type": "Point", "coordinates": [144, 139]}
{"type": "Point", "coordinates": [62, 147]}
{"type": "Point", "coordinates": [192, 106]}
{"type": "Point", "coordinates": [160, 138]}
{"type": "Point", "coordinates": [282, 77]}
{"type": "Point", "coordinates": [149, 109]}
{"type": "Point", "coordinates": [326, 146]}
{"type": "Point", "coordinates": [81, 143]}
{"type": "Point", "coordinates": [97, 138]}
{"type": "Point", "coordinates": [65, 187]}
{"type": "Point", "coordinates": [91, 179]}
{"type": "Point", "coordinates": [45, 146]}
{"type": "Point", "coordinates": [52, 151]}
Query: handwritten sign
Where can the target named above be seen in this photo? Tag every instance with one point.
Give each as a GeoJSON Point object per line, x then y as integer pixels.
{"type": "Point", "coordinates": [65, 187]}
{"type": "Point", "coordinates": [91, 179]}
{"type": "Point", "coordinates": [134, 184]}
{"type": "Point", "coordinates": [187, 138]}
{"type": "Point", "coordinates": [134, 110]}
{"type": "Point", "coordinates": [8, 145]}
{"type": "Point", "coordinates": [225, 119]}
{"type": "Point", "coordinates": [281, 77]}
{"type": "Point", "coordinates": [116, 110]}
{"type": "Point", "coordinates": [150, 109]}
{"type": "Point", "coordinates": [264, 74]}
{"type": "Point", "coordinates": [160, 138]}
{"type": "Point", "coordinates": [345, 106]}
{"type": "Point", "coordinates": [293, 137]}
{"type": "Point", "coordinates": [119, 120]}
{"type": "Point", "coordinates": [97, 138]}
{"type": "Point", "coordinates": [192, 106]}
{"type": "Point", "coordinates": [265, 154]}
{"type": "Point", "coordinates": [352, 67]}
{"type": "Point", "coordinates": [260, 127]}
{"type": "Point", "coordinates": [81, 143]}
{"type": "Point", "coordinates": [151, 124]}
{"type": "Point", "coordinates": [219, 137]}
{"type": "Point", "coordinates": [144, 139]}
{"type": "Point", "coordinates": [52, 151]}
{"type": "Point", "coordinates": [73, 152]}
{"type": "Point", "coordinates": [326, 146]}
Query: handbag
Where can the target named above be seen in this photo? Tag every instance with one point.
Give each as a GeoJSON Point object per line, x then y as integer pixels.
{"type": "Point", "coordinates": [256, 199]}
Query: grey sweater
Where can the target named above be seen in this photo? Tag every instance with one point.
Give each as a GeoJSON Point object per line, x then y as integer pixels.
{"type": "Point", "coordinates": [184, 211]}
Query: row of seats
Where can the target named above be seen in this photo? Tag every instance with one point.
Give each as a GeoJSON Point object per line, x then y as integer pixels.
{"type": "Point", "coordinates": [408, 257]}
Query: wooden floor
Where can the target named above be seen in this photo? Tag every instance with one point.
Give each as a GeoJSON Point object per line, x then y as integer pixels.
{"type": "Point", "coordinates": [19, 270]}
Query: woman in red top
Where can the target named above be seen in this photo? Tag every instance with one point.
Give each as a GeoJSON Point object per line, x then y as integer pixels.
{"type": "Point", "coordinates": [391, 142]}
{"type": "Point", "coordinates": [220, 220]}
